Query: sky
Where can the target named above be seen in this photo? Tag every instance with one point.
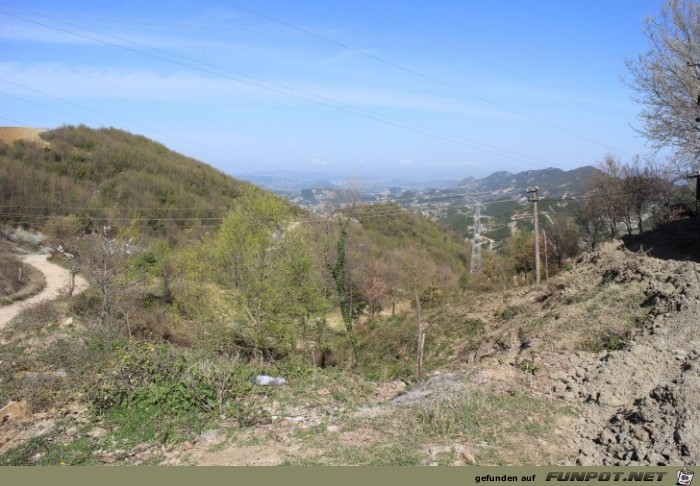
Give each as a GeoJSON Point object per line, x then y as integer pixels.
{"type": "Point", "coordinates": [356, 89]}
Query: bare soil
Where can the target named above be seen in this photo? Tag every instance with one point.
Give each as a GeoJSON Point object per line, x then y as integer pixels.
{"type": "Point", "coordinates": [10, 134]}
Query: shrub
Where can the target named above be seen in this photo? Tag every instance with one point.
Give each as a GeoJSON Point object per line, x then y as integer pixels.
{"type": "Point", "coordinates": [150, 381]}
{"type": "Point", "coordinates": [611, 340]}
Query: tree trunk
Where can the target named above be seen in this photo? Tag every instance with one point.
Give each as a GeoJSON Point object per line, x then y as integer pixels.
{"type": "Point", "coordinates": [105, 291]}
{"type": "Point", "coordinates": [71, 284]}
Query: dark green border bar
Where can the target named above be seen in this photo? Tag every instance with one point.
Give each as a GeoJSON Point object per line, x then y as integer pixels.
{"type": "Point", "coordinates": [340, 476]}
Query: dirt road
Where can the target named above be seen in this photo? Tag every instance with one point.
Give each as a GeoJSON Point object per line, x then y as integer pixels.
{"type": "Point", "coordinates": [57, 280]}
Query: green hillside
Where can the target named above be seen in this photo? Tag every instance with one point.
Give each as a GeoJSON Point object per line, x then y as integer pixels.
{"type": "Point", "coordinates": [197, 258]}
{"type": "Point", "coordinates": [109, 176]}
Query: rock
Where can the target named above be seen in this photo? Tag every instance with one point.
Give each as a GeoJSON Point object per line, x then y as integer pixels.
{"type": "Point", "coordinates": [639, 433]}
{"type": "Point", "coordinates": [656, 459]}
{"type": "Point", "coordinates": [560, 376]}
{"type": "Point", "coordinates": [211, 436]}
{"type": "Point", "coordinates": [613, 398]}
{"type": "Point", "coordinates": [468, 457]}
{"type": "Point", "coordinates": [96, 433]}
{"type": "Point", "coordinates": [333, 429]}
{"type": "Point", "coordinates": [265, 380]}
{"type": "Point", "coordinates": [607, 437]}
{"type": "Point", "coordinates": [13, 410]}
{"type": "Point", "coordinates": [586, 461]}
{"type": "Point", "coordinates": [587, 449]}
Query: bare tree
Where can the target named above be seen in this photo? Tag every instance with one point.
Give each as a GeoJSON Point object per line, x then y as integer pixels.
{"type": "Point", "coordinates": [100, 258]}
{"type": "Point", "coordinates": [374, 288]}
{"type": "Point", "coordinates": [607, 186]}
{"type": "Point", "coordinates": [666, 78]}
{"type": "Point", "coordinates": [563, 240]}
{"type": "Point", "coordinates": [590, 215]}
{"type": "Point", "coordinates": [639, 190]}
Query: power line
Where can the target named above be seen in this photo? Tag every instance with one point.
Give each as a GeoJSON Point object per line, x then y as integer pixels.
{"type": "Point", "coordinates": [45, 107]}
{"type": "Point", "coordinates": [367, 211]}
{"type": "Point", "coordinates": [288, 91]}
{"type": "Point", "coordinates": [272, 171]}
{"type": "Point", "coordinates": [462, 49]}
{"type": "Point", "coordinates": [415, 73]}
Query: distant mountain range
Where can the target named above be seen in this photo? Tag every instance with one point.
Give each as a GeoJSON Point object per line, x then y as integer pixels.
{"type": "Point", "coordinates": [283, 184]}
{"type": "Point", "coordinates": [502, 194]}
{"type": "Point", "coordinates": [551, 182]}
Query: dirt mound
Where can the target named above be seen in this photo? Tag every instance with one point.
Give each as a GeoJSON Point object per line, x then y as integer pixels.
{"type": "Point", "coordinates": [617, 338]}
{"type": "Point", "coordinates": [639, 404]}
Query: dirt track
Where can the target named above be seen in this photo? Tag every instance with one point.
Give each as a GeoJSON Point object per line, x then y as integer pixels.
{"type": "Point", "coordinates": [57, 280]}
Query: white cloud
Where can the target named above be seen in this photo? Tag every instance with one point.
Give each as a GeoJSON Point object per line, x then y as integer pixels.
{"type": "Point", "coordinates": [86, 83]}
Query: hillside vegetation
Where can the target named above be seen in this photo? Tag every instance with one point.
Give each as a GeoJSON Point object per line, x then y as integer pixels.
{"type": "Point", "coordinates": [176, 321]}
{"type": "Point", "coordinates": [108, 176]}
{"type": "Point", "coordinates": [392, 351]}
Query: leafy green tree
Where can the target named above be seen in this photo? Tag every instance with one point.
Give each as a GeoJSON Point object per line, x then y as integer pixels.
{"type": "Point", "coordinates": [341, 277]}
{"type": "Point", "coordinates": [258, 255]}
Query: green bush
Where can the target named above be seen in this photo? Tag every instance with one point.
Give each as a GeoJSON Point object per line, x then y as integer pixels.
{"type": "Point", "coordinates": [610, 340]}
{"type": "Point", "coordinates": [388, 347]}
{"type": "Point", "coordinates": [157, 380]}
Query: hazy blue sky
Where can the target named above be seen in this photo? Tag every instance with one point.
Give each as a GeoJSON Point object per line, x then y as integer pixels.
{"type": "Point", "coordinates": [357, 88]}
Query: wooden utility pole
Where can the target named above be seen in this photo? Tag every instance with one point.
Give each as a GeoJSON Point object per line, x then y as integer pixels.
{"type": "Point", "coordinates": [697, 191]}
{"type": "Point", "coordinates": [546, 259]}
{"type": "Point", "coordinates": [532, 197]}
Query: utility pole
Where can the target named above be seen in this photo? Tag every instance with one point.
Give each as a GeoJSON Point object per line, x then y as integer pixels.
{"type": "Point", "coordinates": [697, 191]}
{"type": "Point", "coordinates": [475, 265]}
{"type": "Point", "coordinates": [546, 258]}
{"type": "Point", "coordinates": [532, 197]}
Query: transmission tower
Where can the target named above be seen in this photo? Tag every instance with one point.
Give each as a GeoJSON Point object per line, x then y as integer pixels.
{"type": "Point", "coordinates": [476, 241]}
